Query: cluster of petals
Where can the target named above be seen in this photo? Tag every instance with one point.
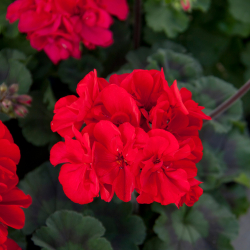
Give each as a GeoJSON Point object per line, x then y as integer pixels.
{"type": "Point", "coordinates": [133, 133]}
{"type": "Point", "coordinates": [58, 26]}
{"type": "Point", "coordinates": [11, 197]}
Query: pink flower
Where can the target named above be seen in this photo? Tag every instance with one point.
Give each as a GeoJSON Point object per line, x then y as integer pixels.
{"type": "Point", "coordinates": [57, 27]}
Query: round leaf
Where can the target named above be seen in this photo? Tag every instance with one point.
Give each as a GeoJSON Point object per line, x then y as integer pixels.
{"type": "Point", "coordinates": [47, 196]}
{"type": "Point", "coordinates": [71, 230]}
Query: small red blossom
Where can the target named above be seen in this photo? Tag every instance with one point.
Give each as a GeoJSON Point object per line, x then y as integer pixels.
{"type": "Point", "coordinates": [140, 135]}
{"type": "Point", "coordinates": [58, 27]}
{"type": "Point", "coordinates": [12, 199]}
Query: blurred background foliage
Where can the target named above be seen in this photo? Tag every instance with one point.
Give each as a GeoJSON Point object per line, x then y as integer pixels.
{"type": "Point", "coordinates": [207, 49]}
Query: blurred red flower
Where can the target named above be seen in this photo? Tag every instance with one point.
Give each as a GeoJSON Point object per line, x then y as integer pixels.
{"type": "Point", "coordinates": [57, 26]}
{"type": "Point", "coordinates": [11, 197]}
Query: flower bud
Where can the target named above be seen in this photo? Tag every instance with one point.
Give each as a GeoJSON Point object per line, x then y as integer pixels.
{"type": "Point", "coordinates": [24, 99]}
{"type": "Point", "coordinates": [7, 104]}
{"type": "Point", "coordinates": [13, 88]}
{"type": "Point", "coordinates": [20, 110]}
{"type": "Point", "coordinates": [186, 6]}
{"type": "Point", "coordinates": [3, 88]}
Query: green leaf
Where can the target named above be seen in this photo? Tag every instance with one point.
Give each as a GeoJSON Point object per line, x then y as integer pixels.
{"type": "Point", "coordinates": [71, 230]}
{"type": "Point", "coordinates": [206, 225]}
{"type": "Point", "coordinates": [231, 26]}
{"type": "Point", "coordinates": [36, 125]}
{"type": "Point", "coordinates": [240, 9]}
{"type": "Point", "coordinates": [18, 236]}
{"type": "Point", "coordinates": [47, 196]}
{"type": "Point", "coordinates": [210, 92]}
{"type": "Point", "coordinates": [205, 45]}
{"type": "Point", "coordinates": [13, 70]}
{"type": "Point", "coordinates": [124, 230]}
{"type": "Point", "coordinates": [243, 179]}
{"type": "Point", "coordinates": [232, 151]}
{"type": "Point", "coordinates": [177, 66]}
{"type": "Point", "coordinates": [210, 169]}
{"type": "Point", "coordinates": [72, 71]}
{"type": "Point", "coordinates": [202, 5]}
{"type": "Point", "coordinates": [156, 244]}
{"type": "Point", "coordinates": [163, 17]}
{"type": "Point", "coordinates": [48, 97]}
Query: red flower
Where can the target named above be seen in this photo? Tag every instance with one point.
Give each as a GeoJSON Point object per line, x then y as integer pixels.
{"type": "Point", "coordinates": [193, 195]}
{"type": "Point", "coordinates": [71, 110]}
{"type": "Point", "coordinates": [57, 27]}
{"type": "Point", "coordinates": [114, 154]}
{"type": "Point", "coordinates": [77, 175]}
{"type": "Point", "coordinates": [11, 198]}
{"type": "Point", "coordinates": [116, 105]}
{"type": "Point", "coordinates": [164, 169]}
{"type": "Point", "coordinates": [115, 151]}
{"type": "Point", "coordinates": [10, 244]}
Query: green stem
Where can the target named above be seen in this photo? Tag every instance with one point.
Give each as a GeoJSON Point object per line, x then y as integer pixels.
{"type": "Point", "coordinates": [228, 103]}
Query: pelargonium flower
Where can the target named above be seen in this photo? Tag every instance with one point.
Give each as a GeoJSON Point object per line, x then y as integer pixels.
{"type": "Point", "coordinates": [133, 133]}
{"type": "Point", "coordinates": [11, 197]}
{"type": "Point", "coordinates": [57, 27]}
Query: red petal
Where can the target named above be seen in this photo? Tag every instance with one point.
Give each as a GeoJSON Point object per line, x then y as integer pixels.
{"type": "Point", "coordinates": [12, 215]}
{"type": "Point", "coordinates": [8, 149]}
{"type": "Point", "coordinates": [124, 184]}
{"type": "Point", "coordinates": [79, 184]}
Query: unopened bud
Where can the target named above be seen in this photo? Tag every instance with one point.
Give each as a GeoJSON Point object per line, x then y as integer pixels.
{"type": "Point", "coordinates": [185, 5]}
{"type": "Point", "coordinates": [13, 88]}
{"type": "Point", "coordinates": [24, 99]}
{"type": "Point", "coordinates": [6, 103]}
{"type": "Point", "coordinates": [20, 110]}
{"type": "Point", "coordinates": [3, 88]}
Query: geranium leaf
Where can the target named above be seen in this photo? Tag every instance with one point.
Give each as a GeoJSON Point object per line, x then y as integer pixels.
{"type": "Point", "coordinates": [47, 196]}
{"type": "Point", "coordinates": [71, 230]}
{"type": "Point", "coordinates": [210, 169]}
{"type": "Point", "coordinates": [202, 5]}
{"type": "Point", "coordinates": [163, 17]}
{"type": "Point", "coordinates": [210, 92]}
{"type": "Point", "coordinates": [232, 150]}
{"type": "Point", "coordinates": [124, 230]}
{"type": "Point", "coordinates": [13, 70]}
{"type": "Point", "coordinates": [36, 124]}
{"type": "Point", "coordinates": [206, 225]}
{"type": "Point", "coordinates": [239, 9]}
{"type": "Point", "coordinates": [177, 66]}
{"type": "Point", "coordinates": [18, 236]}
{"type": "Point", "coordinates": [72, 71]}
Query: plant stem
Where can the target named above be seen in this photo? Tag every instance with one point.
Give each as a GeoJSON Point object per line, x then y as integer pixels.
{"type": "Point", "coordinates": [137, 23]}
{"type": "Point", "coordinates": [228, 103]}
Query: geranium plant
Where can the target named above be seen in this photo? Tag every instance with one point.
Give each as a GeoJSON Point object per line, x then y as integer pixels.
{"type": "Point", "coordinates": [128, 119]}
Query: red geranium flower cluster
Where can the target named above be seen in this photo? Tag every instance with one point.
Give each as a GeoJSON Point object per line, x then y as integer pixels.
{"type": "Point", "coordinates": [140, 134]}
{"type": "Point", "coordinates": [58, 26]}
{"type": "Point", "coordinates": [11, 198]}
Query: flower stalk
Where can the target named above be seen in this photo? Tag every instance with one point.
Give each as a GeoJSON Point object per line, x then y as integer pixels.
{"type": "Point", "coordinates": [228, 103]}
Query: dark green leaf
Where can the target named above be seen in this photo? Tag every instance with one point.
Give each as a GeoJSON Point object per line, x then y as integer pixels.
{"type": "Point", "coordinates": [206, 225]}
{"type": "Point", "coordinates": [163, 17]}
{"type": "Point", "coordinates": [36, 125]}
{"type": "Point", "coordinates": [47, 196]}
{"type": "Point", "coordinates": [240, 9]}
{"type": "Point", "coordinates": [13, 70]}
{"type": "Point", "coordinates": [18, 236]}
{"type": "Point", "coordinates": [123, 230]}
{"type": "Point", "coordinates": [210, 92]}
{"type": "Point", "coordinates": [71, 230]}
{"type": "Point", "coordinates": [177, 66]}
{"type": "Point", "coordinates": [72, 71]}
{"type": "Point", "coordinates": [202, 5]}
